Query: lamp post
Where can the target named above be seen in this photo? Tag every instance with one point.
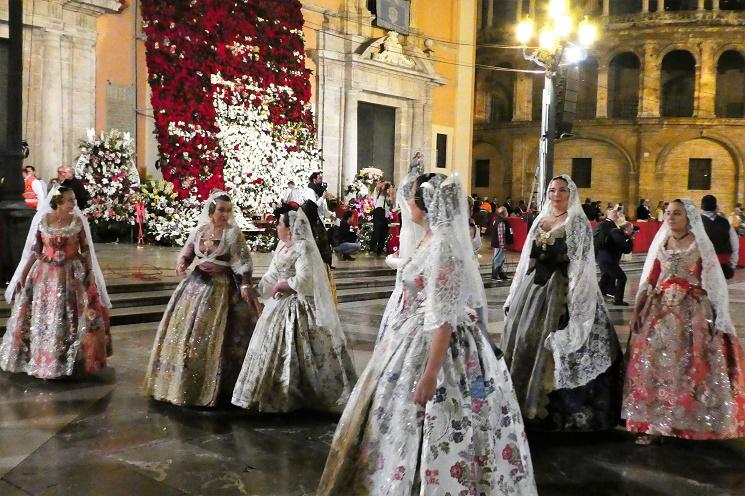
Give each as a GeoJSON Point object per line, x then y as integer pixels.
{"type": "Point", "coordinates": [561, 41]}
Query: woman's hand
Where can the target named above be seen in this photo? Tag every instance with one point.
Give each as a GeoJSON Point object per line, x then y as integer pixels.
{"type": "Point", "coordinates": [181, 270]}
{"type": "Point", "coordinates": [282, 287]}
{"type": "Point", "coordinates": [250, 296]}
{"type": "Point", "coordinates": [425, 389]}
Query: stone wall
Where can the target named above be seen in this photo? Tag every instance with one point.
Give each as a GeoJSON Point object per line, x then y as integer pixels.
{"type": "Point", "coordinates": [58, 76]}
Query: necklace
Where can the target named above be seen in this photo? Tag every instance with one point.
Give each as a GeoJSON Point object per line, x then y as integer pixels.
{"type": "Point", "coordinates": [560, 215]}
{"type": "Point", "coordinates": [211, 240]}
{"type": "Point", "coordinates": [682, 237]}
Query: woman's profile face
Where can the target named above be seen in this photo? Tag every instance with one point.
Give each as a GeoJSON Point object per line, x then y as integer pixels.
{"type": "Point", "coordinates": [417, 214]}
{"type": "Point", "coordinates": [283, 231]}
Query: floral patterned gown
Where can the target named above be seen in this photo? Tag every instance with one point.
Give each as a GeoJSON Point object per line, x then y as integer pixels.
{"type": "Point", "coordinates": [293, 362]}
{"type": "Point", "coordinates": [58, 326]}
{"type": "Point", "coordinates": [539, 308]}
{"type": "Point", "coordinates": [683, 378]}
{"type": "Point", "coordinates": [468, 439]}
{"type": "Point", "coordinates": [205, 329]}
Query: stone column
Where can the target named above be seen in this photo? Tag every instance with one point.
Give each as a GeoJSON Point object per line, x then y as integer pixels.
{"type": "Point", "coordinates": [700, 4]}
{"type": "Point", "coordinates": [714, 4]}
{"type": "Point", "coordinates": [602, 99]}
{"type": "Point", "coordinates": [606, 8]}
{"type": "Point", "coordinates": [490, 13]}
{"type": "Point", "coordinates": [417, 127]}
{"type": "Point", "coordinates": [706, 83]}
{"type": "Point", "coordinates": [649, 84]}
{"type": "Point", "coordinates": [532, 8]}
{"type": "Point", "coordinates": [660, 5]}
{"type": "Point", "coordinates": [522, 108]}
{"type": "Point", "coordinates": [51, 98]}
{"type": "Point", "coordinates": [349, 164]}
{"type": "Point", "coordinates": [645, 6]}
{"type": "Point", "coordinates": [519, 10]}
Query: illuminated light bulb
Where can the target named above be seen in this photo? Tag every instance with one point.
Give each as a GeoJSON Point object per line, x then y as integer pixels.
{"type": "Point", "coordinates": [547, 40]}
{"type": "Point", "coordinates": [564, 25]}
{"type": "Point", "coordinates": [587, 33]}
{"type": "Point", "coordinates": [575, 54]}
{"type": "Point", "coordinates": [524, 31]}
{"type": "Point", "coordinates": [557, 8]}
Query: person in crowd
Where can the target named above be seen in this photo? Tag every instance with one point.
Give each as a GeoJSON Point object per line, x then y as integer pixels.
{"type": "Point", "coordinates": [737, 220]}
{"type": "Point", "coordinates": [558, 339]}
{"type": "Point", "coordinates": [659, 212]}
{"type": "Point", "coordinates": [486, 205]}
{"type": "Point", "coordinates": [434, 411]}
{"type": "Point", "coordinates": [298, 354]}
{"type": "Point", "coordinates": [380, 218]}
{"type": "Point", "coordinates": [508, 206]}
{"type": "Point", "coordinates": [686, 368]}
{"type": "Point", "coordinates": [722, 235]}
{"type": "Point", "coordinates": [292, 195]}
{"type": "Point", "coordinates": [316, 192]}
{"type": "Point", "coordinates": [588, 208]}
{"type": "Point", "coordinates": [621, 219]}
{"type": "Point", "coordinates": [499, 244]}
{"type": "Point", "coordinates": [643, 212]}
{"type": "Point", "coordinates": [34, 190]}
{"type": "Point", "coordinates": [59, 321]}
{"type": "Point", "coordinates": [204, 333]}
{"type": "Point", "coordinates": [344, 238]}
{"type": "Point", "coordinates": [598, 213]}
{"type": "Point", "coordinates": [614, 241]}
{"type": "Point", "coordinates": [530, 215]}
{"type": "Point", "coordinates": [66, 177]}
{"type": "Point", "coordinates": [521, 208]}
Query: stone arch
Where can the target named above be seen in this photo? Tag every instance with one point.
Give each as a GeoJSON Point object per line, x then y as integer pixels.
{"type": "Point", "coordinates": [624, 78]}
{"type": "Point", "coordinates": [679, 46]}
{"type": "Point", "coordinates": [683, 137]}
{"type": "Point", "coordinates": [612, 166]}
{"type": "Point", "coordinates": [736, 47]}
{"type": "Point", "coordinates": [677, 83]}
{"type": "Point", "coordinates": [730, 80]}
{"type": "Point", "coordinates": [604, 59]}
{"type": "Point", "coordinates": [672, 168]}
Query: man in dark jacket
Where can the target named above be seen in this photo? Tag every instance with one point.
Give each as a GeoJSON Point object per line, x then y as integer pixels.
{"type": "Point", "coordinates": [613, 243]}
{"type": "Point", "coordinates": [344, 238]}
{"type": "Point", "coordinates": [66, 177]}
{"type": "Point", "coordinates": [721, 234]}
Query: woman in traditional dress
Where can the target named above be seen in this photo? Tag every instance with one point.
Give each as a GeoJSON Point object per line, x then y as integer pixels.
{"type": "Point", "coordinates": [409, 236]}
{"type": "Point", "coordinates": [558, 340]}
{"type": "Point", "coordinates": [434, 412]}
{"type": "Point", "coordinates": [686, 368]}
{"type": "Point", "coordinates": [59, 323]}
{"type": "Point", "coordinates": [298, 355]}
{"type": "Point", "coordinates": [207, 325]}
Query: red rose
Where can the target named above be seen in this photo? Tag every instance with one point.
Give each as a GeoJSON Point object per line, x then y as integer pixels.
{"type": "Point", "coordinates": [507, 453]}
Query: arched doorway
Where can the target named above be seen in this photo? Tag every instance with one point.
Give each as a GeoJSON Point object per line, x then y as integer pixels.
{"type": "Point", "coordinates": [624, 71]}
{"type": "Point", "coordinates": [678, 84]}
{"type": "Point", "coordinates": [730, 101]}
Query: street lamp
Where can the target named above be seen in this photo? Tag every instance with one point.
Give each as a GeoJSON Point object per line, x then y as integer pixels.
{"type": "Point", "coordinates": [561, 41]}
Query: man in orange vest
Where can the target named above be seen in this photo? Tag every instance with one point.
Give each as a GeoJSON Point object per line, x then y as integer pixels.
{"type": "Point", "coordinates": [34, 191]}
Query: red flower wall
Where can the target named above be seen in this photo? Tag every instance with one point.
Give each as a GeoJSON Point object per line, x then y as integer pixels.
{"type": "Point", "coordinates": [190, 40]}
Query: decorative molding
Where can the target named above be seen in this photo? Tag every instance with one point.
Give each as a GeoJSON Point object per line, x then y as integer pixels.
{"type": "Point", "coordinates": [392, 52]}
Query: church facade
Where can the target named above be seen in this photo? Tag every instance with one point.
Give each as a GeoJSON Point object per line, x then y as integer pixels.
{"type": "Point", "coordinates": [660, 111]}
{"type": "Point", "coordinates": [390, 78]}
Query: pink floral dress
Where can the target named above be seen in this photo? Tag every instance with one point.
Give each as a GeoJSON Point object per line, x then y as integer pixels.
{"type": "Point", "coordinates": [683, 378]}
{"type": "Point", "coordinates": [58, 326]}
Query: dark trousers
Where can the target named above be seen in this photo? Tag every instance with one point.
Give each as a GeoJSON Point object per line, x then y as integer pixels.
{"type": "Point", "coordinates": [612, 280]}
{"type": "Point", "coordinates": [380, 231]}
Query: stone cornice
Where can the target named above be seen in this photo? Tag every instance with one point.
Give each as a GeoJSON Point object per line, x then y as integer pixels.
{"type": "Point", "coordinates": [695, 18]}
{"type": "Point", "coordinates": [93, 7]}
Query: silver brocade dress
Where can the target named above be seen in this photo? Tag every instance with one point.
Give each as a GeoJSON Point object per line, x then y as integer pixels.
{"type": "Point", "coordinates": [293, 362]}
{"type": "Point", "coordinates": [58, 326]}
{"type": "Point", "coordinates": [469, 439]}
{"type": "Point", "coordinates": [204, 332]}
{"type": "Point", "coordinates": [683, 378]}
